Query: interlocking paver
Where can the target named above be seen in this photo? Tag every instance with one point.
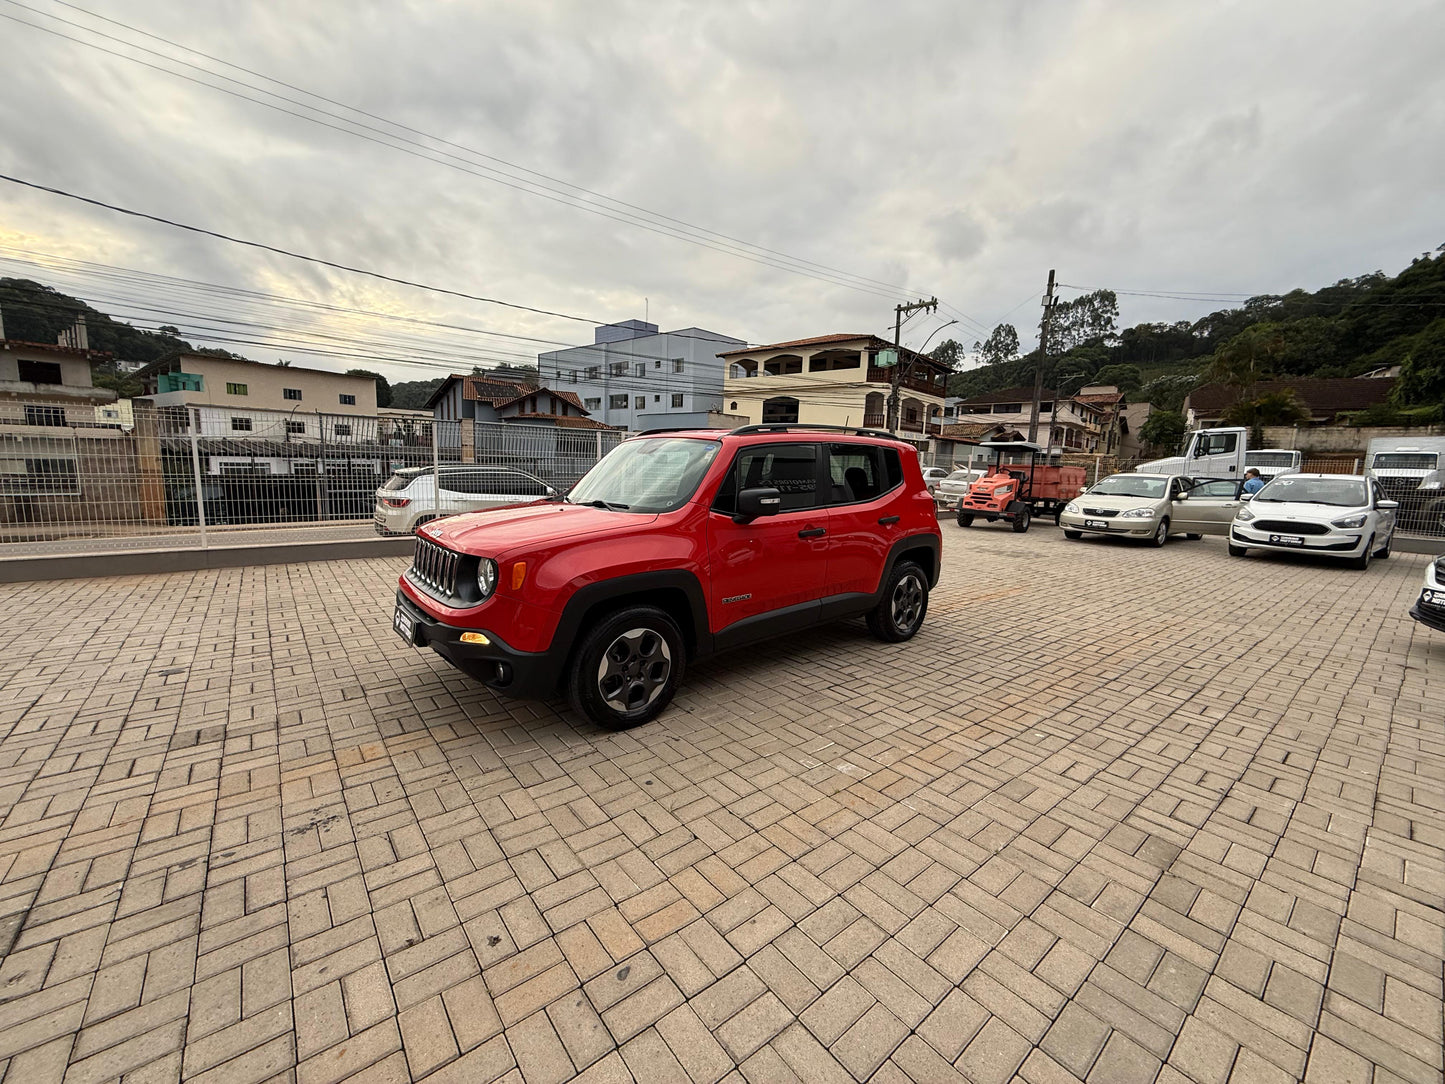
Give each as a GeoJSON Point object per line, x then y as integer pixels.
{"type": "Point", "coordinates": [1164, 835]}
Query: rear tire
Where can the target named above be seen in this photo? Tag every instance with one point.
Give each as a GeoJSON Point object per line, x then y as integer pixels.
{"type": "Point", "coordinates": [627, 667]}
{"type": "Point", "coordinates": [965, 520]}
{"type": "Point", "coordinates": [901, 606]}
{"type": "Point", "coordinates": [1073, 535]}
{"type": "Point", "coordinates": [1022, 521]}
{"type": "Point", "coordinates": [1362, 562]}
{"type": "Point", "coordinates": [1238, 551]}
{"type": "Point", "coordinates": [1193, 537]}
{"type": "Point", "coordinates": [1161, 535]}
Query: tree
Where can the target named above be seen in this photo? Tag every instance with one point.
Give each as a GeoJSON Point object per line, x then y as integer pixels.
{"type": "Point", "coordinates": [1163, 429]}
{"type": "Point", "coordinates": [1244, 360]}
{"type": "Point", "coordinates": [383, 388]}
{"type": "Point", "coordinates": [1126, 378]}
{"type": "Point", "coordinates": [1272, 408]}
{"type": "Point", "coordinates": [1002, 345]}
{"type": "Point", "coordinates": [1422, 368]}
{"type": "Point", "coordinates": [1086, 319]}
{"type": "Point", "coordinates": [949, 352]}
{"type": "Point", "coordinates": [413, 394]}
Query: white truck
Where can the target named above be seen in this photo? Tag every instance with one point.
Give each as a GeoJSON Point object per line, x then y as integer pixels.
{"type": "Point", "coordinates": [1407, 465]}
{"type": "Point", "coordinates": [1224, 453]}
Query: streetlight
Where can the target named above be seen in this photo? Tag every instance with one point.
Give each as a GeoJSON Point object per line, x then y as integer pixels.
{"type": "Point", "coordinates": [926, 341]}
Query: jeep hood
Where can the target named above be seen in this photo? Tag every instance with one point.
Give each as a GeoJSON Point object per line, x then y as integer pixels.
{"type": "Point", "coordinates": [522, 526]}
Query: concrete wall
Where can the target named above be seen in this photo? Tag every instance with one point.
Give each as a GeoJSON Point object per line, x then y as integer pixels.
{"type": "Point", "coordinates": [74, 369]}
{"type": "Point", "coordinates": [1339, 439]}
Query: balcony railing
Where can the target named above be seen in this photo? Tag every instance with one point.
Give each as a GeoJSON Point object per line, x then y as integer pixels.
{"type": "Point", "coordinates": [913, 383]}
{"type": "Point", "coordinates": [875, 419]}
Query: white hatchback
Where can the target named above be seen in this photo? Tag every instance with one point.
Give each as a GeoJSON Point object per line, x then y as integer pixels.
{"type": "Point", "coordinates": [954, 487]}
{"type": "Point", "coordinates": [411, 497]}
{"type": "Point", "coordinates": [1337, 515]}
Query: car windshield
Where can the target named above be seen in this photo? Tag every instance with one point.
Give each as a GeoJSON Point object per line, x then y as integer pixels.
{"type": "Point", "coordinates": [1406, 461]}
{"type": "Point", "coordinates": [649, 474]}
{"type": "Point", "coordinates": [1269, 459]}
{"type": "Point", "coordinates": [1130, 485]}
{"type": "Point", "coordinates": [1339, 492]}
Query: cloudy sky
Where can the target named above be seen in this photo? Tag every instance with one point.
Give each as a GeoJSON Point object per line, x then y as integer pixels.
{"type": "Point", "coordinates": [829, 159]}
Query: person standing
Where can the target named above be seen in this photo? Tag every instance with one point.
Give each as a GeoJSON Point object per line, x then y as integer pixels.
{"type": "Point", "coordinates": [1253, 483]}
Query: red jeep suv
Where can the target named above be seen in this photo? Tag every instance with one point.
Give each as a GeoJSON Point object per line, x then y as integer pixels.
{"type": "Point", "coordinates": [674, 546]}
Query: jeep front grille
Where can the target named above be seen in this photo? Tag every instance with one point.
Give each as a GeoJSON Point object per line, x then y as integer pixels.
{"type": "Point", "coordinates": [435, 567]}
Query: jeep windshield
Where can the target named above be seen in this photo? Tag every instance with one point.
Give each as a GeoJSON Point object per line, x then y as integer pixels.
{"type": "Point", "coordinates": [1129, 485]}
{"type": "Point", "coordinates": [1339, 492]}
{"type": "Point", "coordinates": [647, 475]}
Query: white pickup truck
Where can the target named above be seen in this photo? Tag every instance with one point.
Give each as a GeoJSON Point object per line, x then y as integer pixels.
{"type": "Point", "coordinates": [1224, 453]}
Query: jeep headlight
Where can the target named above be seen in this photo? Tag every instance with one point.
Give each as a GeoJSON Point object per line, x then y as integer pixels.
{"type": "Point", "coordinates": [1137, 513]}
{"type": "Point", "coordinates": [1072, 506]}
{"type": "Point", "coordinates": [486, 577]}
{"type": "Point", "coordinates": [1244, 515]}
{"type": "Point", "coordinates": [1350, 522]}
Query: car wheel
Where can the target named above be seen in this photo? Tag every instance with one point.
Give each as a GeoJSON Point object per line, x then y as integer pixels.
{"type": "Point", "coordinates": [1193, 537]}
{"type": "Point", "coordinates": [1161, 534]}
{"type": "Point", "coordinates": [1383, 553]}
{"type": "Point", "coordinates": [1022, 521]}
{"type": "Point", "coordinates": [627, 667]}
{"type": "Point", "coordinates": [1073, 535]}
{"type": "Point", "coordinates": [965, 520]}
{"type": "Point", "coordinates": [1238, 551]}
{"type": "Point", "coordinates": [1058, 517]}
{"type": "Point", "coordinates": [1362, 562]}
{"type": "Point", "coordinates": [901, 608]}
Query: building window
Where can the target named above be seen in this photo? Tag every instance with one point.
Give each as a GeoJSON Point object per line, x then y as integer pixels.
{"type": "Point", "coordinates": [235, 389]}
{"type": "Point", "coordinates": [594, 403]}
{"type": "Point", "coordinates": [593, 372]}
{"type": "Point", "coordinates": [348, 400]}
{"type": "Point", "coordinates": [293, 429]}
{"type": "Point", "coordinates": [639, 403]}
{"type": "Point", "coordinates": [657, 398]}
{"type": "Point", "coordinates": [44, 415]}
{"type": "Point", "coordinates": [733, 405]}
{"type": "Point", "coordinates": [179, 382]}
{"type": "Point", "coordinates": [571, 376]}
{"type": "Point", "coordinates": [617, 402]}
{"type": "Point", "coordinates": [676, 399]}
{"type": "Point", "coordinates": [240, 425]}
{"type": "Point", "coordinates": [657, 364]}
{"type": "Point", "coordinates": [40, 372]}
{"type": "Point", "coordinates": [619, 368]}
{"type": "Point", "coordinates": [642, 368]}
{"type": "Point", "coordinates": [291, 393]}
{"type": "Point", "coordinates": [677, 365]}
{"type": "Point", "coordinates": [342, 430]}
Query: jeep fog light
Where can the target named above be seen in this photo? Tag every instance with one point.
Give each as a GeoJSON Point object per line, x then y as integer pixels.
{"type": "Point", "coordinates": [486, 577]}
{"type": "Point", "coordinates": [475, 638]}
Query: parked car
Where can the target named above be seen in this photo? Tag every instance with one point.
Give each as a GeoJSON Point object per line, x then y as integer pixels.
{"type": "Point", "coordinates": [932, 476]}
{"type": "Point", "coordinates": [1338, 515]}
{"type": "Point", "coordinates": [955, 487]}
{"type": "Point", "coordinates": [1429, 610]}
{"type": "Point", "coordinates": [672, 547]}
{"type": "Point", "coordinates": [1141, 506]}
{"type": "Point", "coordinates": [412, 496]}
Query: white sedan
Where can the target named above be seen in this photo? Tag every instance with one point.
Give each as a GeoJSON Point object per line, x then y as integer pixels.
{"type": "Point", "coordinates": [955, 487]}
{"type": "Point", "coordinates": [1338, 515]}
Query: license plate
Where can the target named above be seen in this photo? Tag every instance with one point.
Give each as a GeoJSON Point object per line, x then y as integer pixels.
{"type": "Point", "coordinates": [405, 627]}
{"type": "Point", "coordinates": [1287, 539]}
{"type": "Point", "coordinates": [1097, 524]}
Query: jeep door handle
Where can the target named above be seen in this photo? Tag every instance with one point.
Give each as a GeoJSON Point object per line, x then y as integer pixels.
{"type": "Point", "coordinates": [888, 521]}
{"type": "Point", "coordinates": [813, 532]}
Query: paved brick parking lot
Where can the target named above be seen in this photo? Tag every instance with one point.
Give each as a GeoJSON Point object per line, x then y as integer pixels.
{"type": "Point", "coordinates": [1117, 814]}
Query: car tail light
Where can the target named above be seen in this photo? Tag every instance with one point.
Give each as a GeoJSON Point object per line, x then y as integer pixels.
{"type": "Point", "coordinates": [396, 502]}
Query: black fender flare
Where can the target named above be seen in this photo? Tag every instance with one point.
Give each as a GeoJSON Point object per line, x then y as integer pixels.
{"type": "Point", "coordinates": [914, 542]}
{"type": "Point", "coordinates": [657, 588]}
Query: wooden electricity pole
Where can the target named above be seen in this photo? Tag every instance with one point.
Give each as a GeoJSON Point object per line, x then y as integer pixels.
{"type": "Point", "coordinates": [898, 368]}
{"type": "Point", "coordinates": [1043, 356]}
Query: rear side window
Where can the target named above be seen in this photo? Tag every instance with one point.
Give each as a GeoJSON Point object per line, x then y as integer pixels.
{"type": "Point", "coordinates": [892, 467]}
{"type": "Point", "coordinates": [854, 473]}
{"type": "Point", "coordinates": [399, 481]}
{"type": "Point", "coordinates": [791, 469]}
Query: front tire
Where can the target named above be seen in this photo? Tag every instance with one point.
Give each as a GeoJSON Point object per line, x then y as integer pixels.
{"type": "Point", "coordinates": [1238, 551]}
{"type": "Point", "coordinates": [1073, 535]}
{"type": "Point", "coordinates": [1383, 553]}
{"type": "Point", "coordinates": [627, 668]}
{"type": "Point", "coordinates": [901, 608]}
{"type": "Point", "coordinates": [1193, 537]}
{"type": "Point", "coordinates": [1161, 534]}
{"type": "Point", "coordinates": [1362, 562]}
{"type": "Point", "coordinates": [1022, 521]}
{"type": "Point", "coordinates": [965, 519]}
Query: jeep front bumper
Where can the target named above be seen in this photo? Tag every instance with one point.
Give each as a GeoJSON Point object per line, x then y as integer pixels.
{"type": "Point", "coordinates": [522, 674]}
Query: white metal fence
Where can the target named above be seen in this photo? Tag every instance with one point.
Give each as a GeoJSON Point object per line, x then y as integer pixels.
{"type": "Point", "coordinates": [78, 479]}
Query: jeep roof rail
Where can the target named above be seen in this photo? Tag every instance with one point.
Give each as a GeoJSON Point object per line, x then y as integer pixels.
{"type": "Point", "coordinates": [788, 427]}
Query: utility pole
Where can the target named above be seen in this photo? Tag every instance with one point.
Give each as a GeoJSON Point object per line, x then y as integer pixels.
{"type": "Point", "coordinates": [898, 370]}
{"type": "Point", "coordinates": [1043, 356]}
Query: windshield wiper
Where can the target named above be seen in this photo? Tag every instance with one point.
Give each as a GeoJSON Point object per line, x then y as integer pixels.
{"type": "Point", "coordinates": [611, 506]}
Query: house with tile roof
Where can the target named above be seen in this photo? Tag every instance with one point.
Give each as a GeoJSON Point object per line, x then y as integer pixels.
{"type": "Point", "coordinates": [487, 397]}
{"type": "Point", "coordinates": [1325, 399]}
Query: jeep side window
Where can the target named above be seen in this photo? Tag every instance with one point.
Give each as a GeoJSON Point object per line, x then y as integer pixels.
{"type": "Point", "coordinates": [892, 468]}
{"type": "Point", "coordinates": [791, 469]}
{"type": "Point", "coordinates": [853, 473]}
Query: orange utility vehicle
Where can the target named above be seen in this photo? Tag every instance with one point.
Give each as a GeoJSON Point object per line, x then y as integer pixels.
{"type": "Point", "coordinates": [1019, 484]}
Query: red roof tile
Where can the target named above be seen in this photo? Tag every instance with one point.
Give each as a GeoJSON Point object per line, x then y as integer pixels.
{"type": "Point", "coordinates": [1324, 398]}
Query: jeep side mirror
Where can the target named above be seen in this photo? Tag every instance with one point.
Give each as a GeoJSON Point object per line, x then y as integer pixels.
{"type": "Point", "coordinates": [752, 503]}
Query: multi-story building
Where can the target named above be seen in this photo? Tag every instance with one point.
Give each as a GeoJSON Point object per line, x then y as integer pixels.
{"type": "Point", "coordinates": [1065, 424]}
{"type": "Point", "coordinates": [636, 378]}
{"type": "Point", "coordinates": [834, 380]}
{"type": "Point", "coordinates": [234, 397]}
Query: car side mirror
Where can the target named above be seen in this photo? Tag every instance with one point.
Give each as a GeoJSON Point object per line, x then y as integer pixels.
{"type": "Point", "coordinates": [752, 503]}
{"type": "Point", "coordinates": [1246, 496]}
{"type": "Point", "coordinates": [1388, 506]}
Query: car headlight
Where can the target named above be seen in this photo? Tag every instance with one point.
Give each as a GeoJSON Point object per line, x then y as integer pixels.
{"type": "Point", "coordinates": [486, 577]}
{"type": "Point", "coordinates": [1137, 513]}
{"type": "Point", "coordinates": [1072, 506]}
{"type": "Point", "coordinates": [1350, 522]}
{"type": "Point", "coordinates": [1244, 515]}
